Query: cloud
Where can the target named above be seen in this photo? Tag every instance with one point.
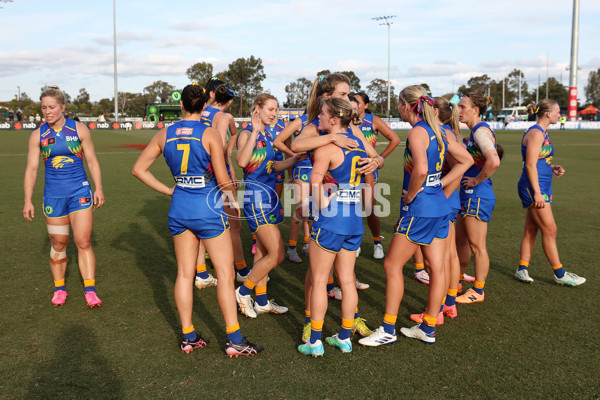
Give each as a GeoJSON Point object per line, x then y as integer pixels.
{"type": "Point", "coordinates": [178, 42]}
{"type": "Point", "coordinates": [190, 27]}
{"type": "Point", "coordinates": [438, 68]}
{"type": "Point", "coordinates": [123, 38]}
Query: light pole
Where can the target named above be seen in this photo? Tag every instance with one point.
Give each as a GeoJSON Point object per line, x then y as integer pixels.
{"type": "Point", "coordinates": [115, 59]}
{"type": "Point", "coordinates": [18, 97]}
{"type": "Point", "coordinates": [387, 21]}
{"type": "Point", "coordinates": [572, 106]}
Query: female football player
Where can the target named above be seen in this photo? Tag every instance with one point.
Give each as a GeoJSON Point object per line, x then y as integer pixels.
{"type": "Point", "coordinates": [68, 197]}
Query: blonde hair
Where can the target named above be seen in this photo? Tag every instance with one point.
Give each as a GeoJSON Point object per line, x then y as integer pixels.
{"type": "Point", "coordinates": [541, 108]}
{"type": "Point", "coordinates": [448, 115]}
{"type": "Point", "coordinates": [321, 86]}
{"type": "Point", "coordinates": [342, 109]}
{"type": "Point", "coordinates": [421, 104]}
{"type": "Point", "coordinates": [53, 91]}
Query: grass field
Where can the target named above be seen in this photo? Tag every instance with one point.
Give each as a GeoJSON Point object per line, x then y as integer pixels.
{"type": "Point", "coordinates": [526, 341]}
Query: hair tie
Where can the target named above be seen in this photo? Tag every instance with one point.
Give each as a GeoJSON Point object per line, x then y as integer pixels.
{"type": "Point", "coordinates": [419, 103]}
{"type": "Point", "coordinates": [537, 109]}
{"type": "Point", "coordinates": [203, 90]}
{"type": "Point", "coordinates": [194, 83]}
{"type": "Point", "coordinates": [321, 77]}
{"type": "Point", "coordinates": [341, 112]}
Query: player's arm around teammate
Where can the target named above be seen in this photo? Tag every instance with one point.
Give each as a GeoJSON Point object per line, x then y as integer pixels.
{"type": "Point", "coordinates": [337, 230]}
{"type": "Point", "coordinates": [68, 199]}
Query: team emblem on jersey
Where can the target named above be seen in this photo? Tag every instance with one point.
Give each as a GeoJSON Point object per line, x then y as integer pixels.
{"type": "Point", "coordinates": [60, 161]}
{"type": "Point", "coordinates": [184, 131]}
{"type": "Point", "coordinates": [269, 167]}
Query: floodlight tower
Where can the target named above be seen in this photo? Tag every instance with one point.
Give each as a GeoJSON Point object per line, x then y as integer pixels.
{"type": "Point", "coordinates": [387, 20]}
{"type": "Point", "coordinates": [115, 60]}
{"type": "Point", "coordinates": [572, 107]}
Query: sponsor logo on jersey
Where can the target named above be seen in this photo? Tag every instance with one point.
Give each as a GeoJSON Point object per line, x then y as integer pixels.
{"type": "Point", "coordinates": [48, 141]}
{"type": "Point", "coordinates": [433, 179]}
{"type": "Point", "coordinates": [46, 133]}
{"type": "Point", "coordinates": [272, 218]}
{"type": "Point", "coordinates": [348, 196]}
{"type": "Point", "coordinates": [48, 210]}
{"type": "Point", "coordinates": [71, 138]}
{"type": "Point", "coordinates": [84, 200]}
{"type": "Point", "coordinates": [547, 142]}
{"type": "Point", "coordinates": [60, 161]}
{"type": "Point", "coordinates": [184, 131]}
{"type": "Point", "coordinates": [190, 181]}
{"type": "Point", "coordinates": [261, 144]}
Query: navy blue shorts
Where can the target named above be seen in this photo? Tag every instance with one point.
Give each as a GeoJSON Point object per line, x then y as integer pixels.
{"type": "Point", "coordinates": [301, 174]}
{"type": "Point", "coordinates": [526, 193]}
{"type": "Point", "coordinates": [57, 207]}
{"type": "Point", "coordinates": [477, 207]}
{"type": "Point", "coordinates": [257, 215]}
{"type": "Point", "coordinates": [334, 242]}
{"type": "Point", "coordinates": [422, 230]}
{"type": "Point", "coordinates": [206, 228]}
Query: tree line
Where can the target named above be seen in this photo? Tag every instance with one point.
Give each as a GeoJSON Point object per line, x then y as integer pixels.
{"type": "Point", "coordinates": [245, 76]}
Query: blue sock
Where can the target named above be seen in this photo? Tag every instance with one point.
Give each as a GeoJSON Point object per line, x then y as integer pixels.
{"type": "Point", "coordinates": [330, 285]}
{"type": "Point", "coordinates": [201, 271]}
{"type": "Point", "coordinates": [389, 324]}
{"type": "Point", "coordinates": [190, 336]}
{"type": "Point", "coordinates": [346, 329]}
{"type": "Point", "coordinates": [426, 328]}
{"type": "Point", "coordinates": [315, 332]}
{"type": "Point", "coordinates": [559, 271]}
{"type": "Point", "coordinates": [242, 268]}
{"type": "Point", "coordinates": [234, 335]}
{"type": "Point", "coordinates": [521, 268]}
{"type": "Point", "coordinates": [261, 295]}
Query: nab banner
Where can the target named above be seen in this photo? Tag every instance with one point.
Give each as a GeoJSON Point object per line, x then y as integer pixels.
{"type": "Point", "coordinates": [19, 126]}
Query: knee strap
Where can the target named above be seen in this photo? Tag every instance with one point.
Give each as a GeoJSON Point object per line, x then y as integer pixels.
{"type": "Point", "coordinates": [58, 229]}
{"type": "Point", "coordinates": [57, 257]}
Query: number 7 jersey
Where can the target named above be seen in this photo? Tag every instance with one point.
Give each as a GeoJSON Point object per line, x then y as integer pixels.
{"type": "Point", "coordinates": [195, 195]}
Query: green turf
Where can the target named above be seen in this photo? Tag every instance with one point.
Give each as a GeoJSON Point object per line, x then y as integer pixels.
{"type": "Point", "coordinates": [525, 341]}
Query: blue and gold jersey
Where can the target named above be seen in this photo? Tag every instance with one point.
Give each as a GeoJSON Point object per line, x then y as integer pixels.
{"type": "Point", "coordinates": [367, 129]}
{"type": "Point", "coordinates": [273, 131]}
{"type": "Point", "coordinates": [63, 160]}
{"type": "Point", "coordinates": [544, 163]}
{"type": "Point", "coordinates": [485, 189]}
{"type": "Point", "coordinates": [343, 215]}
{"type": "Point", "coordinates": [431, 201]}
{"type": "Point", "coordinates": [260, 168]}
{"type": "Point", "coordinates": [454, 198]}
{"type": "Point", "coordinates": [306, 161]}
{"type": "Point", "coordinates": [208, 115]}
{"type": "Point", "coordinates": [195, 195]}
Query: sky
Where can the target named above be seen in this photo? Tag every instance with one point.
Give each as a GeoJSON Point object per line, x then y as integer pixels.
{"type": "Point", "coordinates": [439, 42]}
